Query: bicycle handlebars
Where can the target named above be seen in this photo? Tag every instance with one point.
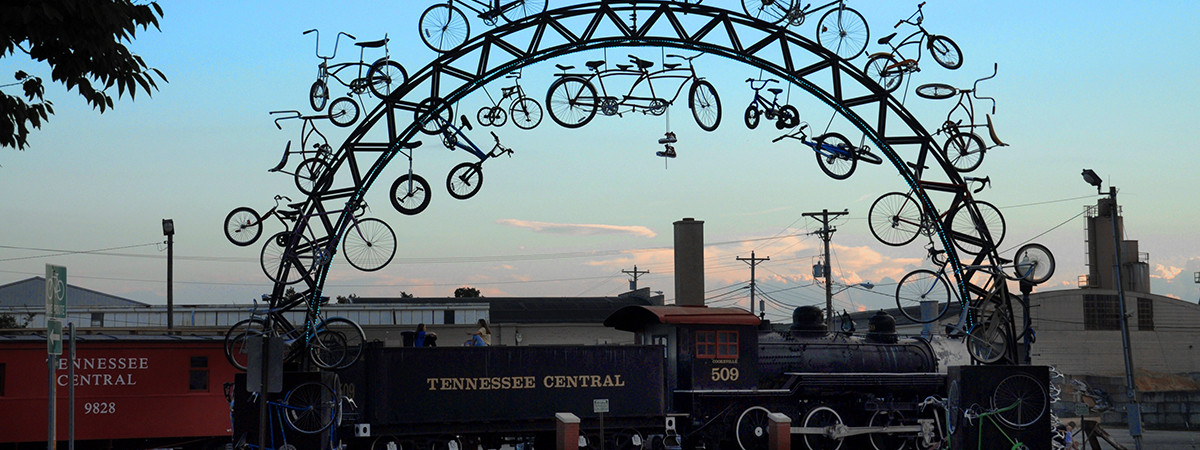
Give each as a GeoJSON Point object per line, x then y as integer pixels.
{"type": "Point", "coordinates": [983, 182]}
{"type": "Point", "coordinates": [335, 42]}
{"type": "Point", "coordinates": [975, 87]}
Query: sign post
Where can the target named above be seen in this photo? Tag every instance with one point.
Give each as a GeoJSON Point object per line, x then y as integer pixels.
{"type": "Point", "coordinates": [600, 406]}
{"type": "Point", "coordinates": [56, 312]}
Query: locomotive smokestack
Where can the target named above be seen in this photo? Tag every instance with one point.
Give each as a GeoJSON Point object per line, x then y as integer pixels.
{"type": "Point", "coordinates": [689, 262]}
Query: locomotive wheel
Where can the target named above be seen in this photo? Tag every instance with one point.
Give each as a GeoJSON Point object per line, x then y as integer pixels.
{"type": "Point", "coordinates": [752, 427]}
{"type": "Point", "coordinates": [822, 417]}
{"type": "Point", "coordinates": [887, 440]}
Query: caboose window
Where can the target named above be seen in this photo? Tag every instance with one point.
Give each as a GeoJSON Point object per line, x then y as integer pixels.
{"type": "Point", "coordinates": [198, 375]}
{"type": "Point", "coordinates": [727, 345]}
{"type": "Point", "coordinates": [706, 344]}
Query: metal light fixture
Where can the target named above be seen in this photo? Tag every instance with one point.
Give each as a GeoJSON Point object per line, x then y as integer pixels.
{"type": "Point", "coordinates": [1091, 178]}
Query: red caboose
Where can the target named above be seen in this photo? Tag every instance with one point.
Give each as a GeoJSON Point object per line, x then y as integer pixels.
{"type": "Point", "coordinates": [131, 391]}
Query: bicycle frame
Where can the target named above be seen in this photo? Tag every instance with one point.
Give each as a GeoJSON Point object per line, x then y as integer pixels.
{"type": "Point", "coordinates": [487, 11]}
{"type": "Point", "coordinates": [453, 135]}
{"type": "Point", "coordinates": [988, 416]}
{"type": "Point", "coordinates": [322, 250]}
{"type": "Point", "coordinates": [797, 14]}
{"type": "Point", "coordinates": [609, 105]}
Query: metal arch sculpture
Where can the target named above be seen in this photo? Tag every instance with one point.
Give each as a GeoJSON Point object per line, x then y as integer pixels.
{"type": "Point", "coordinates": [395, 121]}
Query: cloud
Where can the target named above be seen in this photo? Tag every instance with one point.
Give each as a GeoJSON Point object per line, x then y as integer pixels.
{"type": "Point", "coordinates": [1166, 272]}
{"type": "Point", "coordinates": [578, 229]}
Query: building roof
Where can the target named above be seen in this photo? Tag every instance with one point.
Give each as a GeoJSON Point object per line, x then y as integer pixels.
{"type": "Point", "coordinates": [636, 317]}
{"type": "Point", "coordinates": [31, 293]}
{"type": "Point", "coordinates": [532, 310]}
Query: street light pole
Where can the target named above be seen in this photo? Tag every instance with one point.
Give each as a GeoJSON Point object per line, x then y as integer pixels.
{"type": "Point", "coordinates": [1132, 408]}
{"type": "Point", "coordinates": [168, 226]}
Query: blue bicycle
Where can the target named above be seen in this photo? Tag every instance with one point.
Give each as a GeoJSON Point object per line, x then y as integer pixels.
{"type": "Point", "coordinates": [785, 116]}
{"type": "Point", "coordinates": [465, 179]}
{"type": "Point", "coordinates": [836, 156]}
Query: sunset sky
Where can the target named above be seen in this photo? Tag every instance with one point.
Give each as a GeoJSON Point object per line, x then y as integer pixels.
{"type": "Point", "coordinates": [1107, 86]}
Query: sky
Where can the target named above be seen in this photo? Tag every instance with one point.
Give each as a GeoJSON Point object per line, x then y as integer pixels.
{"type": "Point", "coordinates": [1079, 85]}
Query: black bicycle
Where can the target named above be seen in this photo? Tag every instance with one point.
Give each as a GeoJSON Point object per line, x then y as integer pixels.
{"type": "Point", "coordinates": [888, 68]}
{"type": "Point", "coordinates": [444, 27]}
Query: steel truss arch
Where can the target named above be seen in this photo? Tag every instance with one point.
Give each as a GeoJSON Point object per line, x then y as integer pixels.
{"type": "Point", "coordinates": [485, 57]}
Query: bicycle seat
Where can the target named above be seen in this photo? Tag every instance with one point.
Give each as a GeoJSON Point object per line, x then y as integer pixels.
{"type": "Point", "coordinates": [564, 68]}
{"type": "Point", "coordinates": [992, 133]}
{"type": "Point", "coordinates": [292, 213]}
{"type": "Point", "coordinates": [671, 66]}
{"type": "Point", "coordinates": [643, 64]}
{"type": "Point", "coordinates": [884, 40]}
{"type": "Point", "coordinates": [506, 91]}
{"type": "Point", "coordinates": [410, 145]}
{"type": "Point", "coordinates": [283, 162]}
{"type": "Point", "coordinates": [594, 64]}
{"type": "Point", "coordinates": [775, 91]}
{"type": "Point", "coordinates": [624, 66]}
{"type": "Point", "coordinates": [372, 44]}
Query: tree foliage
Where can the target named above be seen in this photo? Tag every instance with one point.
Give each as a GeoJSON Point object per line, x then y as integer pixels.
{"type": "Point", "coordinates": [466, 292]}
{"type": "Point", "coordinates": [83, 41]}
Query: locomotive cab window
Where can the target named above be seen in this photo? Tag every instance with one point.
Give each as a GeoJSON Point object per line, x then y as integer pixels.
{"type": "Point", "coordinates": [717, 344]}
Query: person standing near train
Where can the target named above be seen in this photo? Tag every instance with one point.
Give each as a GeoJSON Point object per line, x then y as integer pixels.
{"type": "Point", "coordinates": [481, 337]}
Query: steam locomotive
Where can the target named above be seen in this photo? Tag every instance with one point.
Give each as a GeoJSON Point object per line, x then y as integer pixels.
{"type": "Point", "coordinates": [696, 378]}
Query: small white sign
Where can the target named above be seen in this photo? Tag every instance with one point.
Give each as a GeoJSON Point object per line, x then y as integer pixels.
{"type": "Point", "coordinates": [600, 405]}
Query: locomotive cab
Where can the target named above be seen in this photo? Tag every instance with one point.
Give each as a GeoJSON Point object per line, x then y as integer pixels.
{"type": "Point", "coordinates": [704, 348]}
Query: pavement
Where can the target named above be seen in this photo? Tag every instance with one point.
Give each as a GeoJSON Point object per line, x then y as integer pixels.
{"type": "Point", "coordinates": [1155, 439]}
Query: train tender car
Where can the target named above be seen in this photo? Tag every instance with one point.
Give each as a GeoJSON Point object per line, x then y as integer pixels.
{"type": "Point", "coordinates": [131, 392]}
{"type": "Point", "coordinates": [429, 397]}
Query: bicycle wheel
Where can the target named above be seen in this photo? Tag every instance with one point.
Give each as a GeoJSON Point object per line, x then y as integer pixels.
{"type": "Point", "coordinates": [522, 9]}
{"type": "Point", "coordinates": [484, 116]}
{"type": "Point", "coordinates": [987, 341]}
{"type": "Point", "coordinates": [705, 105]}
{"type": "Point", "coordinates": [752, 428]}
{"type": "Point", "coordinates": [1034, 263]}
{"type": "Point", "coordinates": [433, 114]}
{"type": "Point", "coordinates": [318, 95]}
{"type": "Point", "coordinates": [751, 116]}
{"type": "Point", "coordinates": [571, 101]}
{"type": "Point", "coordinates": [498, 116]}
{"type": "Point", "coordinates": [945, 52]}
{"type": "Point", "coordinates": [238, 336]}
{"type": "Point", "coordinates": [526, 113]}
{"type": "Point", "coordinates": [830, 157]}
{"type": "Point", "coordinates": [444, 28]}
{"type": "Point", "coordinates": [917, 288]}
{"type": "Point", "coordinates": [936, 91]}
{"type": "Point", "coordinates": [822, 417]}
{"type": "Point", "coordinates": [308, 173]}
{"type": "Point", "coordinates": [327, 348]}
{"type": "Point", "coordinates": [884, 69]}
{"type": "Point", "coordinates": [369, 244]}
{"type": "Point", "coordinates": [843, 31]}
{"type": "Point", "coordinates": [967, 234]}
{"type": "Point", "coordinates": [342, 344]}
{"type": "Point", "coordinates": [311, 407]}
{"type": "Point", "coordinates": [385, 77]}
{"type": "Point", "coordinates": [299, 260]}
{"type": "Point", "coordinates": [1027, 393]}
{"type": "Point", "coordinates": [895, 218]}
{"type": "Point", "coordinates": [343, 112]}
{"type": "Point", "coordinates": [788, 117]}
{"type": "Point", "coordinates": [243, 226]}
{"type": "Point", "coordinates": [964, 151]}
{"type": "Point", "coordinates": [772, 11]}
{"type": "Point", "coordinates": [410, 194]}
{"type": "Point", "coordinates": [464, 180]}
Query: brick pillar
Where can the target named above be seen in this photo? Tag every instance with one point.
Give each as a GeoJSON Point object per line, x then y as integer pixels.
{"type": "Point", "coordinates": [567, 431]}
{"type": "Point", "coordinates": [780, 435]}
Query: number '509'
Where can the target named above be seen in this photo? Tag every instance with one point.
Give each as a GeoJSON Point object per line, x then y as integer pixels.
{"type": "Point", "coordinates": [724, 374]}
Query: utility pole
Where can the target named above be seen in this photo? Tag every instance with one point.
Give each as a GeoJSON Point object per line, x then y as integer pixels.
{"type": "Point", "coordinates": [635, 273]}
{"type": "Point", "coordinates": [753, 261]}
{"type": "Point", "coordinates": [826, 233]}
